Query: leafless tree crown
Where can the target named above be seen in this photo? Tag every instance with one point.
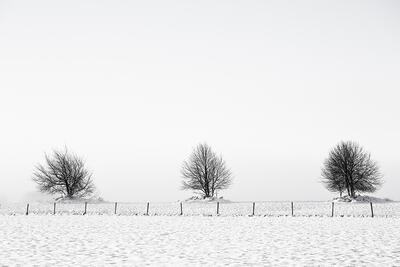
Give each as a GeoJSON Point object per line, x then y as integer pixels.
{"type": "Point", "coordinates": [350, 169]}
{"type": "Point", "coordinates": [205, 172]}
{"type": "Point", "coordinates": [64, 174]}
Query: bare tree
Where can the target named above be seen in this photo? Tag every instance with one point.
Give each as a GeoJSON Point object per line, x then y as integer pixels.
{"type": "Point", "coordinates": [350, 168]}
{"type": "Point", "coordinates": [205, 172]}
{"type": "Point", "coordinates": [64, 174]}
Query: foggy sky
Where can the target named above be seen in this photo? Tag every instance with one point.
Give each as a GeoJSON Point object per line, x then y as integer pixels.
{"type": "Point", "coordinates": [134, 86]}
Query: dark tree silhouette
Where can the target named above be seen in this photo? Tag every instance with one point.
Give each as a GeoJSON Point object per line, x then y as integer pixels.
{"type": "Point", "coordinates": [64, 174]}
{"type": "Point", "coordinates": [205, 172]}
{"type": "Point", "coordinates": [349, 168]}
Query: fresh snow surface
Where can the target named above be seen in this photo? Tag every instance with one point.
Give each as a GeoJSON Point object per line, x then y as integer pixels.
{"type": "Point", "coordinates": [97, 240]}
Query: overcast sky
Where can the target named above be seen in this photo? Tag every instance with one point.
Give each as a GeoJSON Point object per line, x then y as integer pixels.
{"type": "Point", "coordinates": [134, 86]}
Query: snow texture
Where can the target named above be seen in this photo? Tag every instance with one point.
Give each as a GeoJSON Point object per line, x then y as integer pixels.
{"type": "Point", "coordinates": [198, 240]}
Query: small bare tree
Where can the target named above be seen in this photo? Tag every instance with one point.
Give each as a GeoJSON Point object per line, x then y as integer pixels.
{"type": "Point", "coordinates": [205, 172]}
{"type": "Point", "coordinates": [64, 174]}
{"type": "Point", "coordinates": [349, 168]}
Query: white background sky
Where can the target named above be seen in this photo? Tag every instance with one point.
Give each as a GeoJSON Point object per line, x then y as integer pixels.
{"type": "Point", "coordinates": [133, 86]}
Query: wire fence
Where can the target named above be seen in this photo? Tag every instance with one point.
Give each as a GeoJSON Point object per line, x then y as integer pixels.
{"type": "Point", "coordinates": [265, 208]}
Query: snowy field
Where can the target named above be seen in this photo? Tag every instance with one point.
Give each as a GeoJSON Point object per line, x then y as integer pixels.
{"type": "Point", "coordinates": [321, 209]}
{"type": "Point", "coordinates": [99, 240]}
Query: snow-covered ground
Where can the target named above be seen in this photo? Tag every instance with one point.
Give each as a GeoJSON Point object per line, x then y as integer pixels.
{"type": "Point", "coordinates": [357, 209]}
{"type": "Point", "coordinates": [97, 240]}
{"type": "Point", "coordinates": [361, 198]}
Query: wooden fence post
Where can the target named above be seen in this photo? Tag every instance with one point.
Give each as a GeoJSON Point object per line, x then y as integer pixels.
{"type": "Point", "coordinates": [292, 209]}
{"type": "Point", "coordinates": [254, 207]}
{"type": "Point", "coordinates": [115, 208]}
{"type": "Point", "coordinates": [372, 209]}
{"type": "Point", "coordinates": [217, 208]}
{"type": "Point", "coordinates": [333, 205]}
{"type": "Point", "coordinates": [181, 209]}
{"type": "Point", "coordinates": [54, 208]}
{"type": "Point", "coordinates": [147, 209]}
{"type": "Point", "coordinates": [27, 209]}
{"type": "Point", "coordinates": [85, 208]}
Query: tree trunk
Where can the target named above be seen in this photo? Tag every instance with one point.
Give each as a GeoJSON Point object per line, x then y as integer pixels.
{"type": "Point", "coordinates": [352, 191]}
{"type": "Point", "coordinates": [353, 194]}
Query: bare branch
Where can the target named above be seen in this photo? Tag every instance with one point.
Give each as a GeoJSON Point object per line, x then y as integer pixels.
{"type": "Point", "coordinates": [64, 174]}
{"type": "Point", "coordinates": [349, 168]}
{"type": "Point", "coordinates": [204, 172]}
